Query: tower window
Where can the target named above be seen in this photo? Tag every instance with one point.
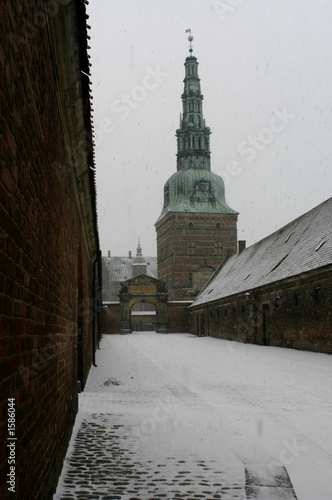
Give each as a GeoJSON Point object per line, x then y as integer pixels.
{"type": "Point", "coordinates": [218, 248]}
{"type": "Point", "coordinates": [191, 247]}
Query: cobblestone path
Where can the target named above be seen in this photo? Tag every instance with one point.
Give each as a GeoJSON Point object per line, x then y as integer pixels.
{"type": "Point", "coordinates": [143, 434]}
{"type": "Point", "coordinates": [104, 464]}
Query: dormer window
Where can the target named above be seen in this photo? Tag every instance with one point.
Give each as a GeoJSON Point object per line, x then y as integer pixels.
{"type": "Point", "coordinates": [202, 192]}
{"type": "Point", "coordinates": [166, 195]}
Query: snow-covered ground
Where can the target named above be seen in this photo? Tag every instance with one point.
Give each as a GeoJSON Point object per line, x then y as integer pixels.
{"type": "Point", "coordinates": [227, 408]}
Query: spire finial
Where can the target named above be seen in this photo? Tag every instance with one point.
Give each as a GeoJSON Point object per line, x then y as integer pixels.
{"type": "Point", "coordinates": [190, 38]}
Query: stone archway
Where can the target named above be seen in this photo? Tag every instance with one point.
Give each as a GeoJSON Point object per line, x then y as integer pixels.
{"type": "Point", "coordinates": [143, 317]}
{"type": "Point", "coordinates": [139, 289]}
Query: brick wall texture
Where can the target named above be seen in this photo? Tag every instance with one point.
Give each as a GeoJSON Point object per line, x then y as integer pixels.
{"type": "Point", "coordinates": [46, 273]}
{"type": "Point", "coordinates": [187, 243]}
{"type": "Point", "coordinates": [294, 313]}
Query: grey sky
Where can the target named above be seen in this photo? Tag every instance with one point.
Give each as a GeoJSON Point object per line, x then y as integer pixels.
{"type": "Point", "coordinates": [266, 76]}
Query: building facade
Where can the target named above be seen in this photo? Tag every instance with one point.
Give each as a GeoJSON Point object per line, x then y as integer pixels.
{"type": "Point", "coordinates": [196, 229]}
{"type": "Point", "coordinates": [118, 269]}
{"type": "Point", "coordinates": [49, 249]}
{"type": "Point", "coordinates": [276, 292]}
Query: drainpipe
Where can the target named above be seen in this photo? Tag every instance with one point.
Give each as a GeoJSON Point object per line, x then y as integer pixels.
{"type": "Point", "coordinates": [208, 320]}
{"type": "Point", "coordinates": [94, 305]}
{"type": "Point", "coordinates": [255, 319]}
{"type": "Point", "coordinates": [99, 296]}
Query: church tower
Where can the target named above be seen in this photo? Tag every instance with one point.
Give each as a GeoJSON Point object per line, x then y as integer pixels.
{"type": "Point", "coordinates": [196, 229]}
{"type": "Point", "coordinates": [139, 265]}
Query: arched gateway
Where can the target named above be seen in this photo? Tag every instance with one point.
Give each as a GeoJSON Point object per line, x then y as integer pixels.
{"type": "Point", "coordinates": [143, 289]}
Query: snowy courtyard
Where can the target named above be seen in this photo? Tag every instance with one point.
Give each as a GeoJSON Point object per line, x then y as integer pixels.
{"type": "Point", "coordinates": [177, 416]}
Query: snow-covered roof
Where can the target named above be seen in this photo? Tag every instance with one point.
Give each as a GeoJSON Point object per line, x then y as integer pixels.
{"type": "Point", "coordinates": [120, 268]}
{"type": "Point", "coordinates": [303, 245]}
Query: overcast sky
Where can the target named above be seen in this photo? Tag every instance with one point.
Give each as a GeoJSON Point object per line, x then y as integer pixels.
{"type": "Point", "coordinates": [266, 76]}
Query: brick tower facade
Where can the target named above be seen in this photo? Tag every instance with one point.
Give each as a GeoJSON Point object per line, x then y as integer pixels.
{"type": "Point", "coordinates": [196, 229]}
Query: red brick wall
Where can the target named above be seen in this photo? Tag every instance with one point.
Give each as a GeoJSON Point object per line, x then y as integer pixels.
{"type": "Point", "coordinates": [39, 249]}
{"type": "Point", "coordinates": [110, 318]}
{"type": "Point", "coordinates": [175, 261]}
{"type": "Point", "coordinates": [177, 317]}
{"type": "Point", "coordinates": [299, 315]}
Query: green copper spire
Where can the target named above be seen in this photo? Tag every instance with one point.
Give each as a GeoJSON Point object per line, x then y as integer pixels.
{"type": "Point", "coordinates": [139, 259]}
{"type": "Point", "coordinates": [193, 137]}
{"type": "Point", "coordinates": [194, 188]}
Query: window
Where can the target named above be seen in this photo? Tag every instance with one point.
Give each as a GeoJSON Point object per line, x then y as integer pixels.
{"type": "Point", "coordinates": [202, 192]}
{"type": "Point", "coordinates": [190, 225]}
{"type": "Point", "coordinates": [218, 248]}
{"type": "Point", "coordinates": [190, 279]}
{"type": "Point", "coordinates": [225, 313]}
{"type": "Point", "coordinates": [218, 313]}
{"type": "Point", "coordinates": [276, 302]}
{"type": "Point", "coordinates": [211, 314]}
{"type": "Point", "coordinates": [243, 310]}
{"type": "Point", "coordinates": [297, 298]}
{"type": "Point", "coordinates": [318, 294]}
{"type": "Point", "coordinates": [166, 195]}
{"type": "Point", "coordinates": [217, 225]}
{"type": "Point", "coordinates": [191, 247]}
{"type": "Point", "coordinates": [234, 311]}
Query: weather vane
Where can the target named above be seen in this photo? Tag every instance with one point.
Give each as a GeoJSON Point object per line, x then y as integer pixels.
{"type": "Point", "coordinates": [190, 38]}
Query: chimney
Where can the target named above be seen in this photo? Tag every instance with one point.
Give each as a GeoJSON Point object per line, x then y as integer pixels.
{"type": "Point", "coordinates": [109, 253]}
{"type": "Point", "coordinates": [242, 245]}
{"type": "Point", "coordinates": [129, 254]}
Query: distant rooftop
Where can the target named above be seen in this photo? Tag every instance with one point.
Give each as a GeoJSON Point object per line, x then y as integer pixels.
{"type": "Point", "coordinates": [302, 246]}
{"type": "Point", "coordinates": [120, 268]}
